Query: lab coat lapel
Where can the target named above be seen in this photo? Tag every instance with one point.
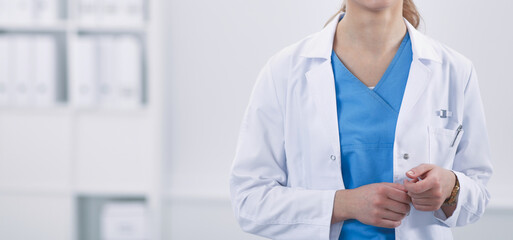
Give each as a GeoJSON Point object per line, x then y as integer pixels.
{"type": "Point", "coordinates": [321, 82]}
{"type": "Point", "coordinates": [420, 72]}
{"type": "Point", "coordinates": [418, 79]}
{"type": "Point", "coordinates": [321, 85]}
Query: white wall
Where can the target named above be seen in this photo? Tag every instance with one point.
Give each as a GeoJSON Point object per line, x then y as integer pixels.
{"type": "Point", "coordinates": [214, 52]}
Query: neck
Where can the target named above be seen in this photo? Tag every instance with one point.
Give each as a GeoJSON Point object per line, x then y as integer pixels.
{"type": "Point", "coordinates": [370, 30]}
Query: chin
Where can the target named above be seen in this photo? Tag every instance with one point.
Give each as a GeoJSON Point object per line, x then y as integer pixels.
{"type": "Point", "coordinates": [376, 5]}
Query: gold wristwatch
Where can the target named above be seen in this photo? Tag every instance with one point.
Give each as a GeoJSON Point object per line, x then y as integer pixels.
{"type": "Point", "coordinates": [451, 201]}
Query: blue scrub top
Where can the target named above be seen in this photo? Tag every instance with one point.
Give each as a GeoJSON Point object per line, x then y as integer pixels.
{"type": "Point", "coordinates": [367, 119]}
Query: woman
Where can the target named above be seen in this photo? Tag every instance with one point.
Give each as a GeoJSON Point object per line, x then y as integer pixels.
{"type": "Point", "coordinates": [365, 130]}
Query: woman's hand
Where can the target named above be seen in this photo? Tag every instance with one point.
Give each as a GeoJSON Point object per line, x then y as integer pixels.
{"type": "Point", "coordinates": [429, 193]}
{"type": "Point", "coordinates": [377, 204]}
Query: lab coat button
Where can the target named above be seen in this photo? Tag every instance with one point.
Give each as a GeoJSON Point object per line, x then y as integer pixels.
{"type": "Point", "coordinates": [333, 157]}
{"type": "Point", "coordinates": [406, 156]}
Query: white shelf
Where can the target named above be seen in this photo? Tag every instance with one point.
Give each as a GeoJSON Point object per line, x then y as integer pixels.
{"type": "Point", "coordinates": [35, 191]}
{"type": "Point", "coordinates": [59, 108]}
{"type": "Point", "coordinates": [70, 110]}
{"type": "Point", "coordinates": [112, 193]}
{"type": "Point", "coordinates": [63, 27]}
{"type": "Point", "coordinates": [106, 111]}
{"type": "Point", "coordinates": [25, 27]}
{"type": "Point", "coordinates": [81, 151]}
{"type": "Point", "coordinates": [188, 197]}
{"type": "Point", "coordinates": [111, 29]}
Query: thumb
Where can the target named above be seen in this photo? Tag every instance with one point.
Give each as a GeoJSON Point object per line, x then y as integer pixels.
{"type": "Point", "coordinates": [419, 170]}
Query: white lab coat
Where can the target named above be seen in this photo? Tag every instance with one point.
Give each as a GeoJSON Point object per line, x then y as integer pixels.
{"type": "Point", "coordinates": [287, 163]}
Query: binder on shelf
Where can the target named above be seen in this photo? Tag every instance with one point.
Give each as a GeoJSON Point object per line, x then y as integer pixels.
{"type": "Point", "coordinates": [44, 88]}
{"type": "Point", "coordinates": [4, 10]}
{"type": "Point", "coordinates": [46, 11]}
{"type": "Point", "coordinates": [23, 63]}
{"type": "Point", "coordinates": [21, 11]}
{"type": "Point", "coordinates": [108, 71]}
{"type": "Point", "coordinates": [84, 86]}
{"type": "Point", "coordinates": [111, 12]}
{"type": "Point", "coordinates": [130, 12]}
{"type": "Point", "coordinates": [128, 72]}
{"type": "Point", "coordinates": [5, 78]}
{"type": "Point", "coordinates": [134, 12]}
{"type": "Point", "coordinates": [88, 11]}
{"type": "Point", "coordinates": [124, 220]}
{"type": "Point", "coordinates": [107, 77]}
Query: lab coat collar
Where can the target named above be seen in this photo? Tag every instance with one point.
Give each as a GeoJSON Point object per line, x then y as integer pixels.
{"type": "Point", "coordinates": [321, 45]}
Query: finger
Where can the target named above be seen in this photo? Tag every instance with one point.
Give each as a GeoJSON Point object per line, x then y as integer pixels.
{"type": "Point", "coordinates": [429, 194]}
{"type": "Point", "coordinates": [399, 196]}
{"type": "Point", "coordinates": [419, 170]}
{"type": "Point", "coordinates": [397, 207]}
{"type": "Point", "coordinates": [409, 184]}
{"type": "Point", "coordinates": [420, 186]}
{"type": "Point", "coordinates": [385, 223]}
{"type": "Point", "coordinates": [420, 196]}
{"type": "Point", "coordinates": [395, 186]}
{"type": "Point", "coordinates": [426, 208]}
{"type": "Point", "coordinates": [424, 205]}
{"type": "Point", "coordinates": [424, 201]}
{"type": "Point", "coordinates": [393, 216]}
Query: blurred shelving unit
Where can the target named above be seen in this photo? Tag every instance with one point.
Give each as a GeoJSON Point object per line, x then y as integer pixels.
{"type": "Point", "coordinates": [80, 119]}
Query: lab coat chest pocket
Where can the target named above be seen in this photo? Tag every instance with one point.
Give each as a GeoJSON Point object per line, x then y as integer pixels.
{"type": "Point", "coordinates": [443, 143]}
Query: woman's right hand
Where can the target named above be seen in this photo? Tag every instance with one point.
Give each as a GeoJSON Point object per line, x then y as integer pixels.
{"type": "Point", "coordinates": [378, 204]}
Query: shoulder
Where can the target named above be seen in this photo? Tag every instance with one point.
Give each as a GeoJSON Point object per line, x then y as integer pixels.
{"type": "Point", "coordinates": [287, 67]}
{"type": "Point", "coordinates": [454, 68]}
{"type": "Point", "coordinates": [292, 54]}
{"type": "Point", "coordinates": [451, 59]}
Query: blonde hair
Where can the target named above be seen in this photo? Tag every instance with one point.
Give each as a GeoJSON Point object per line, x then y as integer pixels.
{"type": "Point", "coordinates": [410, 12]}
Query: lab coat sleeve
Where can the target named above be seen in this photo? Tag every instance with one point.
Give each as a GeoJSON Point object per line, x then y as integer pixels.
{"type": "Point", "coordinates": [262, 202]}
{"type": "Point", "coordinates": [472, 163]}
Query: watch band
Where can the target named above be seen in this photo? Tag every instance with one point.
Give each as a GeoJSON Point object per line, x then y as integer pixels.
{"type": "Point", "coordinates": [451, 201]}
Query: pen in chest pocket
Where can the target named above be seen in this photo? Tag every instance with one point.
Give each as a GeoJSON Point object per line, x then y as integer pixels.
{"type": "Point", "coordinates": [457, 133]}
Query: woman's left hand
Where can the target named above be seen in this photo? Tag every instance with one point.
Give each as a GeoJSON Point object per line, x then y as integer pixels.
{"type": "Point", "coordinates": [435, 185]}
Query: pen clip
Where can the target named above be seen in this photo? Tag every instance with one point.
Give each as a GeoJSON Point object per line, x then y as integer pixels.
{"type": "Point", "coordinates": [457, 133]}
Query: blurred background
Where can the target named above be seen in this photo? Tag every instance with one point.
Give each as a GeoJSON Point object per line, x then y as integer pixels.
{"type": "Point", "coordinates": [119, 118]}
